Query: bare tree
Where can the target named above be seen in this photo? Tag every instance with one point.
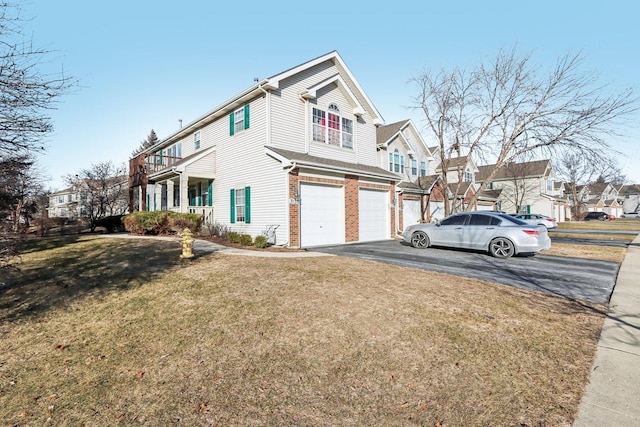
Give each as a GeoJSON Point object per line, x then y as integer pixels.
{"type": "Point", "coordinates": [26, 95]}
{"type": "Point", "coordinates": [582, 168]}
{"type": "Point", "coordinates": [502, 110]}
{"type": "Point", "coordinates": [102, 191]}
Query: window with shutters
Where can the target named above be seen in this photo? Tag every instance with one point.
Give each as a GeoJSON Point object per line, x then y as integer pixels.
{"type": "Point", "coordinates": [239, 120]}
{"type": "Point", "coordinates": [241, 205]}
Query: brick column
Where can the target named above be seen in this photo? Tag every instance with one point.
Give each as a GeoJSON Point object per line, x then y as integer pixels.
{"type": "Point", "coordinates": [351, 209]}
{"type": "Point", "coordinates": [294, 209]}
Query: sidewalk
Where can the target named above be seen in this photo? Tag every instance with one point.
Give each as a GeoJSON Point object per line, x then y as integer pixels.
{"type": "Point", "coordinates": [201, 246]}
{"type": "Point", "coordinates": [612, 397]}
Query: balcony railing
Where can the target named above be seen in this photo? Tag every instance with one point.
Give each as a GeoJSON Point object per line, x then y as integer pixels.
{"type": "Point", "coordinates": [157, 162]}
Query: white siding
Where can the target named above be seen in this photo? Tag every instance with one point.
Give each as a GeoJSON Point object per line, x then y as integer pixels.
{"type": "Point", "coordinates": [242, 162]}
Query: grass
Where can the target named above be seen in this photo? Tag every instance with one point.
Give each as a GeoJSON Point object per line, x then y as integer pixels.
{"type": "Point", "coordinates": [603, 253]}
{"type": "Point", "coordinates": [619, 224]}
{"type": "Point", "coordinates": [108, 332]}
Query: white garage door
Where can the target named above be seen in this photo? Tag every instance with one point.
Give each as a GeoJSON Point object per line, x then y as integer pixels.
{"type": "Point", "coordinates": [373, 213]}
{"type": "Point", "coordinates": [321, 215]}
{"type": "Point", "coordinates": [485, 207]}
{"type": "Point", "coordinates": [410, 212]}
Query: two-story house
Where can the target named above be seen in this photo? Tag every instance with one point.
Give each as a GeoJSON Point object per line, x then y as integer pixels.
{"type": "Point", "coordinates": [528, 187]}
{"type": "Point", "coordinates": [297, 151]}
{"type": "Point", "coordinates": [63, 204]}
{"type": "Point", "coordinates": [403, 151]}
{"type": "Point", "coordinates": [601, 197]}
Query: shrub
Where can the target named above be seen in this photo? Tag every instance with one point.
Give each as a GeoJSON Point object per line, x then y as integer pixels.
{"type": "Point", "coordinates": [111, 223]}
{"type": "Point", "coordinates": [233, 237]}
{"type": "Point", "coordinates": [217, 229]}
{"type": "Point", "coordinates": [246, 240]}
{"type": "Point", "coordinates": [260, 242]}
{"type": "Point", "coordinates": [161, 222]}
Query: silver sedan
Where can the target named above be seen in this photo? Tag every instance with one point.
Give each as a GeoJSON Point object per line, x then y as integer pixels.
{"type": "Point", "coordinates": [500, 234]}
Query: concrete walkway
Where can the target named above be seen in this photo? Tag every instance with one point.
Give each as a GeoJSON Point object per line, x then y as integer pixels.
{"type": "Point", "coordinates": [205, 247]}
{"type": "Point", "coordinates": [612, 397]}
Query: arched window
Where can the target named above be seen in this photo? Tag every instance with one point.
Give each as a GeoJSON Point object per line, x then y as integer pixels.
{"type": "Point", "coordinates": [331, 128]}
{"type": "Point", "coordinates": [396, 162]}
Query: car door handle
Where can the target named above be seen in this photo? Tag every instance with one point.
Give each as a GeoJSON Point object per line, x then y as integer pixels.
{"type": "Point", "coordinates": [491, 228]}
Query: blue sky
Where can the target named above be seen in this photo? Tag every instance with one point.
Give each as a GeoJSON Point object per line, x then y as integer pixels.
{"type": "Point", "coordinates": [145, 65]}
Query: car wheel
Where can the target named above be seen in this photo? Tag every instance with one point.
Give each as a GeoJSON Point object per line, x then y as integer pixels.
{"type": "Point", "coordinates": [602, 218]}
{"type": "Point", "coordinates": [419, 239]}
{"type": "Point", "coordinates": [501, 248]}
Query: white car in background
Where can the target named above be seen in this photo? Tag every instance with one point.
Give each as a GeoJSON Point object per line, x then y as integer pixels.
{"type": "Point", "coordinates": [634, 215]}
{"type": "Point", "coordinates": [537, 219]}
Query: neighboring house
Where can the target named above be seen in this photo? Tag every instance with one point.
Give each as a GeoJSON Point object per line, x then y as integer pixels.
{"type": "Point", "coordinates": [601, 197]}
{"type": "Point", "coordinates": [63, 204]}
{"type": "Point", "coordinates": [296, 151]}
{"type": "Point", "coordinates": [629, 195]}
{"type": "Point", "coordinates": [528, 187]}
{"type": "Point", "coordinates": [462, 185]}
{"type": "Point", "coordinates": [402, 151]}
{"type": "Point", "coordinates": [74, 202]}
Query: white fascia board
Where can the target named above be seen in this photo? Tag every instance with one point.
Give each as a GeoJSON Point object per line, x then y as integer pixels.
{"type": "Point", "coordinates": [377, 117]}
{"type": "Point", "coordinates": [312, 91]}
{"type": "Point", "coordinates": [213, 114]}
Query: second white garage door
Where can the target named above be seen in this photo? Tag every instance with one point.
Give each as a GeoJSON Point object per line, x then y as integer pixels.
{"type": "Point", "coordinates": [321, 215]}
{"type": "Point", "coordinates": [373, 211]}
{"type": "Point", "coordinates": [410, 212]}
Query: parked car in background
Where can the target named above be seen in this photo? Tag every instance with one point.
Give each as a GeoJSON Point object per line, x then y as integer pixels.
{"type": "Point", "coordinates": [634, 215]}
{"type": "Point", "coordinates": [538, 219]}
{"type": "Point", "coordinates": [500, 234]}
{"type": "Point", "coordinates": [600, 216]}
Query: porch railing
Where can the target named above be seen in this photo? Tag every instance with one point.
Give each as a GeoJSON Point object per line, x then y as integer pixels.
{"type": "Point", "coordinates": [207, 213]}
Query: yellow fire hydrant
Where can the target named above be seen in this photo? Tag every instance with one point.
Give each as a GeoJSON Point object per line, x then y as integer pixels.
{"type": "Point", "coordinates": [187, 243]}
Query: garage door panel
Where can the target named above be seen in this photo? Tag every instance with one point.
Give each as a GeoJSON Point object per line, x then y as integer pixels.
{"type": "Point", "coordinates": [373, 213]}
{"type": "Point", "coordinates": [321, 215]}
{"type": "Point", "coordinates": [410, 212]}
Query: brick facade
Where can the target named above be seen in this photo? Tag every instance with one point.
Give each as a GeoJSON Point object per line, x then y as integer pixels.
{"type": "Point", "coordinates": [351, 185]}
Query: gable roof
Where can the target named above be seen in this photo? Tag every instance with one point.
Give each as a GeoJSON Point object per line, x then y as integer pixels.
{"type": "Point", "coordinates": [273, 83]}
{"type": "Point", "coordinates": [536, 168]}
{"type": "Point", "coordinates": [629, 190]}
{"type": "Point", "coordinates": [385, 133]}
{"type": "Point", "coordinates": [422, 184]}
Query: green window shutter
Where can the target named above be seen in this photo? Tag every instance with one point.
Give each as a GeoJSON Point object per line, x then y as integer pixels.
{"type": "Point", "coordinates": [246, 116]}
{"type": "Point", "coordinates": [210, 191]}
{"type": "Point", "coordinates": [232, 205]}
{"type": "Point", "coordinates": [231, 124]}
{"type": "Point", "coordinates": [192, 196]}
{"type": "Point", "coordinates": [247, 205]}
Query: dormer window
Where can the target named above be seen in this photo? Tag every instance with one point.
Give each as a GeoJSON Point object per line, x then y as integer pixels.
{"type": "Point", "coordinates": [396, 162]}
{"type": "Point", "coordinates": [468, 176]}
{"type": "Point", "coordinates": [331, 128]}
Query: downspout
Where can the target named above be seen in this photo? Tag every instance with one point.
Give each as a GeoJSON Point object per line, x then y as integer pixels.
{"type": "Point", "coordinates": [268, 107]}
{"type": "Point", "coordinates": [306, 123]}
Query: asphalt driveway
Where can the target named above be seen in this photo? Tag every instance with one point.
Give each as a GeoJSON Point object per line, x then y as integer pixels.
{"type": "Point", "coordinates": [574, 278]}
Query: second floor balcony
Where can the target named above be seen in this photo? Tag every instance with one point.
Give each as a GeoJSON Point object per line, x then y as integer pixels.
{"type": "Point", "coordinates": [157, 162]}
